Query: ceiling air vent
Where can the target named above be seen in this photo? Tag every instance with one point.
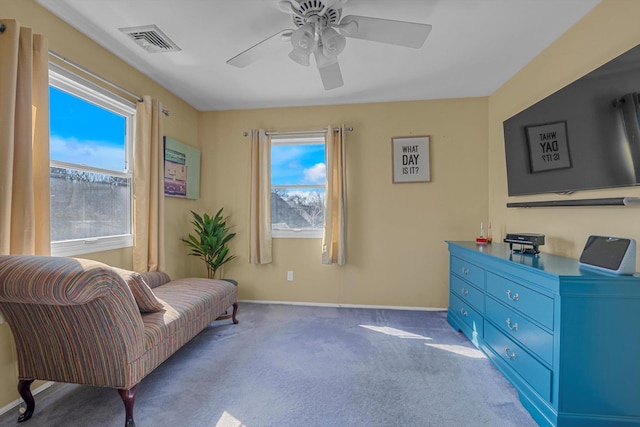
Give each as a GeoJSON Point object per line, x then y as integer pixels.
{"type": "Point", "coordinates": [151, 39]}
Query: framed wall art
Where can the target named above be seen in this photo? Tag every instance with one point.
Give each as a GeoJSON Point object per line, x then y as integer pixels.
{"type": "Point", "coordinates": [411, 161]}
{"type": "Point", "coordinates": [181, 169]}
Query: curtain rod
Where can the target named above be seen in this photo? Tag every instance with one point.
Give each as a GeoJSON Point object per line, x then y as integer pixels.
{"type": "Point", "coordinates": [102, 79]}
{"type": "Point", "coordinates": [300, 132]}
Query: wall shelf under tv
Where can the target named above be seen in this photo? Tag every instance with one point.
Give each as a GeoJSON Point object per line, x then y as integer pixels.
{"type": "Point", "coordinates": [607, 201]}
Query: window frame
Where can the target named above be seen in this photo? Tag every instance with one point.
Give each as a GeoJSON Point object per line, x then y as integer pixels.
{"type": "Point", "coordinates": [69, 82]}
{"type": "Point", "coordinates": [298, 139]}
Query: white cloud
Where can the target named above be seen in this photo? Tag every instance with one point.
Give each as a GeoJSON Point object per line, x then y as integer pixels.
{"type": "Point", "coordinates": [91, 153]}
{"type": "Point", "coordinates": [316, 174]}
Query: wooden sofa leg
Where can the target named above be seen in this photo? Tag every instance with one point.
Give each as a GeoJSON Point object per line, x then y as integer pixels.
{"type": "Point", "coordinates": [235, 311]}
{"type": "Point", "coordinates": [128, 397]}
{"type": "Point", "coordinates": [25, 394]}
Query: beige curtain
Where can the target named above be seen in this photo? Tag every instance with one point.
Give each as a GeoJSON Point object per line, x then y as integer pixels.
{"type": "Point", "coordinates": [335, 219]}
{"type": "Point", "coordinates": [148, 188]}
{"type": "Point", "coordinates": [24, 141]}
{"type": "Point", "coordinates": [260, 198]}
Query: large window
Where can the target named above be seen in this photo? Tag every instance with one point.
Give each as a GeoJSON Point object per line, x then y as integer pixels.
{"type": "Point", "coordinates": [91, 134]}
{"type": "Point", "coordinates": [298, 175]}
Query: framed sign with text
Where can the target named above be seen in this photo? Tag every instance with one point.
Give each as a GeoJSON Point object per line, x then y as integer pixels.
{"type": "Point", "coordinates": [548, 147]}
{"type": "Point", "coordinates": [411, 159]}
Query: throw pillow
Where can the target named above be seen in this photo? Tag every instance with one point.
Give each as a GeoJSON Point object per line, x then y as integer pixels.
{"type": "Point", "coordinates": [155, 278]}
{"type": "Point", "coordinates": [145, 298]}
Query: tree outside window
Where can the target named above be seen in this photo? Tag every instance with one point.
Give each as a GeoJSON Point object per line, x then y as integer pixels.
{"type": "Point", "coordinates": [298, 176]}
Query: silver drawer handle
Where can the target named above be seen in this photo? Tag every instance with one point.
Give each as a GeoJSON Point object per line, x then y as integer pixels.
{"type": "Point", "coordinates": [511, 356]}
{"type": "Point", "coordinates": [513, 327]}
{"type": "Point", "coordinates": [516, 297]}
{"type": "Point", "coordinates": [465, 292]}
{"type": "Point", "coordinates": [463, 312]}
{"type": "Point", "coordinates": [465, 271]}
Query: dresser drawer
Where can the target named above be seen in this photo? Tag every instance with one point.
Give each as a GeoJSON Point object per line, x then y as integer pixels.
{"type": "Point", "coordinates": [467, 314]}
{"type": "Point", "coordinates": [519, 328]}
{"type": "Point", "coordinates": [466, 292]}
{"type": "Point", "coordinates": [525, 365]}
{"type": "Point", "coordinates": [468, 271]}
{"type": "Point", "coordinates": [525, 300]}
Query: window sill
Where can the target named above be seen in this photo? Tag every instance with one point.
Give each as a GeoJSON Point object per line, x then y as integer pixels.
{"type": "Point", "coordinates": [296, 234]}
{"type": "Point", "coordinates": [85, 246]}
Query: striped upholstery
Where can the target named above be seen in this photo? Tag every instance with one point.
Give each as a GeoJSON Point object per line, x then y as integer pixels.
{"type": "Point", "coordinates": [52, 280]}
{"type": "Point", "coordinates": [145, 298]}
{"type": "Point", "coordinates": [76, 321]}
{"type": "Point", "coordinates": [190, 305]}
{"type": "Point", "coordinates": [155, 278]}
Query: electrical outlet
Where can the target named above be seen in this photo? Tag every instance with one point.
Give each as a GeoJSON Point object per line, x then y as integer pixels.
{"type": "Point", "coordinates": [290, 276]}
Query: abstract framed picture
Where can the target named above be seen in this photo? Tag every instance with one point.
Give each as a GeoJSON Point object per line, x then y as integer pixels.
{"type": "Point", "coordinates": [181, 169]}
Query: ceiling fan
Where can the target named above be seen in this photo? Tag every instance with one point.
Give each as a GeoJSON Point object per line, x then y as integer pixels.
{"type": "Point", "coordinates": [321, 32]}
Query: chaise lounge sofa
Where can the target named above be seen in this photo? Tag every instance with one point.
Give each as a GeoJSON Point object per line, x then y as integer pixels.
{"type": "Point", "coordinates": [83, 322]}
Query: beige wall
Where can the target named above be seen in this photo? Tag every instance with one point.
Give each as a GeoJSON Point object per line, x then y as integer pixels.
{"type": "Point", "coordinates": [182, 125]}
{"type": "Point", "coordinates": [396, 255]}
{"type": "Point", "coordinates": [396, 250]}
{"type": "Point", "coordinates": [609, 30]}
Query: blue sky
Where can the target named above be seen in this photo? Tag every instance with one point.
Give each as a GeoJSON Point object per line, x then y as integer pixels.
{"type": "Point", "coordinates": [76, 136]}
{"type": "Point", "coordinates": [298, 164]}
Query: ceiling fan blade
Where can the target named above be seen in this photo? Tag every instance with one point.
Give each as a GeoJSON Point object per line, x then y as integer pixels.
{"type": "Point", "coordinates": [331, 76]}
{"type": "Point", "coordinates": [288, 7]}
{"type": "Point", "coordinates": [266, 47]}
{"type": "Point", "coordinates": [329, 70]}
{"type": "Point", "coordinates": [400, 33]}
{"type": "Point", "coordinates": [331, 4]}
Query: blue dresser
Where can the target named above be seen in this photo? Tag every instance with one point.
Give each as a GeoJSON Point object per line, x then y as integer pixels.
{"type": "Point", "coordinates": [567, 337]}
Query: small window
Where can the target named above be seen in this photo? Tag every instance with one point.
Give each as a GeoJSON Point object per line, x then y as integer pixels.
{"type": "Point", "coordinates": [90, 168]}
{"type": "Point", "coordinates": [298, 176]}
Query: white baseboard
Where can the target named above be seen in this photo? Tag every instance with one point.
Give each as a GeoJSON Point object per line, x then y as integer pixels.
{"type": "Point", "coordinates": [17, 402]}
{"type": "Point", "coordinates": [320, 304]}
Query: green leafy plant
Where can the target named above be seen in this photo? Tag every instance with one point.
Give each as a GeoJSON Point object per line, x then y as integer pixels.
{"type": "Point", "coordinates": [210, 241]}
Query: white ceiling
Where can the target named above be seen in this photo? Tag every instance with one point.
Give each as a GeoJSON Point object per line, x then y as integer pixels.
{"type": "Point", "coordinates": [474, 47]}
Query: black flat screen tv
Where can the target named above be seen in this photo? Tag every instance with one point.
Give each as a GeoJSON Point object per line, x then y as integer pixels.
{"type": "Point", "coordinates": [584, 136]}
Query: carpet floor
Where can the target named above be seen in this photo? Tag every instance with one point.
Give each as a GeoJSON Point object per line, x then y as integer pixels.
{"type": "Point", "coordinates": [297, 366]}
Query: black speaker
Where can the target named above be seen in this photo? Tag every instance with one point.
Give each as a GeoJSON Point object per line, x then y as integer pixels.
{"type": "Point", "coordinates": [611, 254]}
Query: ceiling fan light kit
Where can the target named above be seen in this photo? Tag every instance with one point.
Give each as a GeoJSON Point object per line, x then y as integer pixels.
{"type": "Point", "coordinates": [321, 32]}
{"type": "Point", "coordinates": [332, 43]}
{"type": "Point", "coordinates": [303, 42]}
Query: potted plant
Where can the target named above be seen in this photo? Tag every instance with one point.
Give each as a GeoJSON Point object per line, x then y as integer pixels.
{"type": "Point", "coordinates": [210, 241]}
